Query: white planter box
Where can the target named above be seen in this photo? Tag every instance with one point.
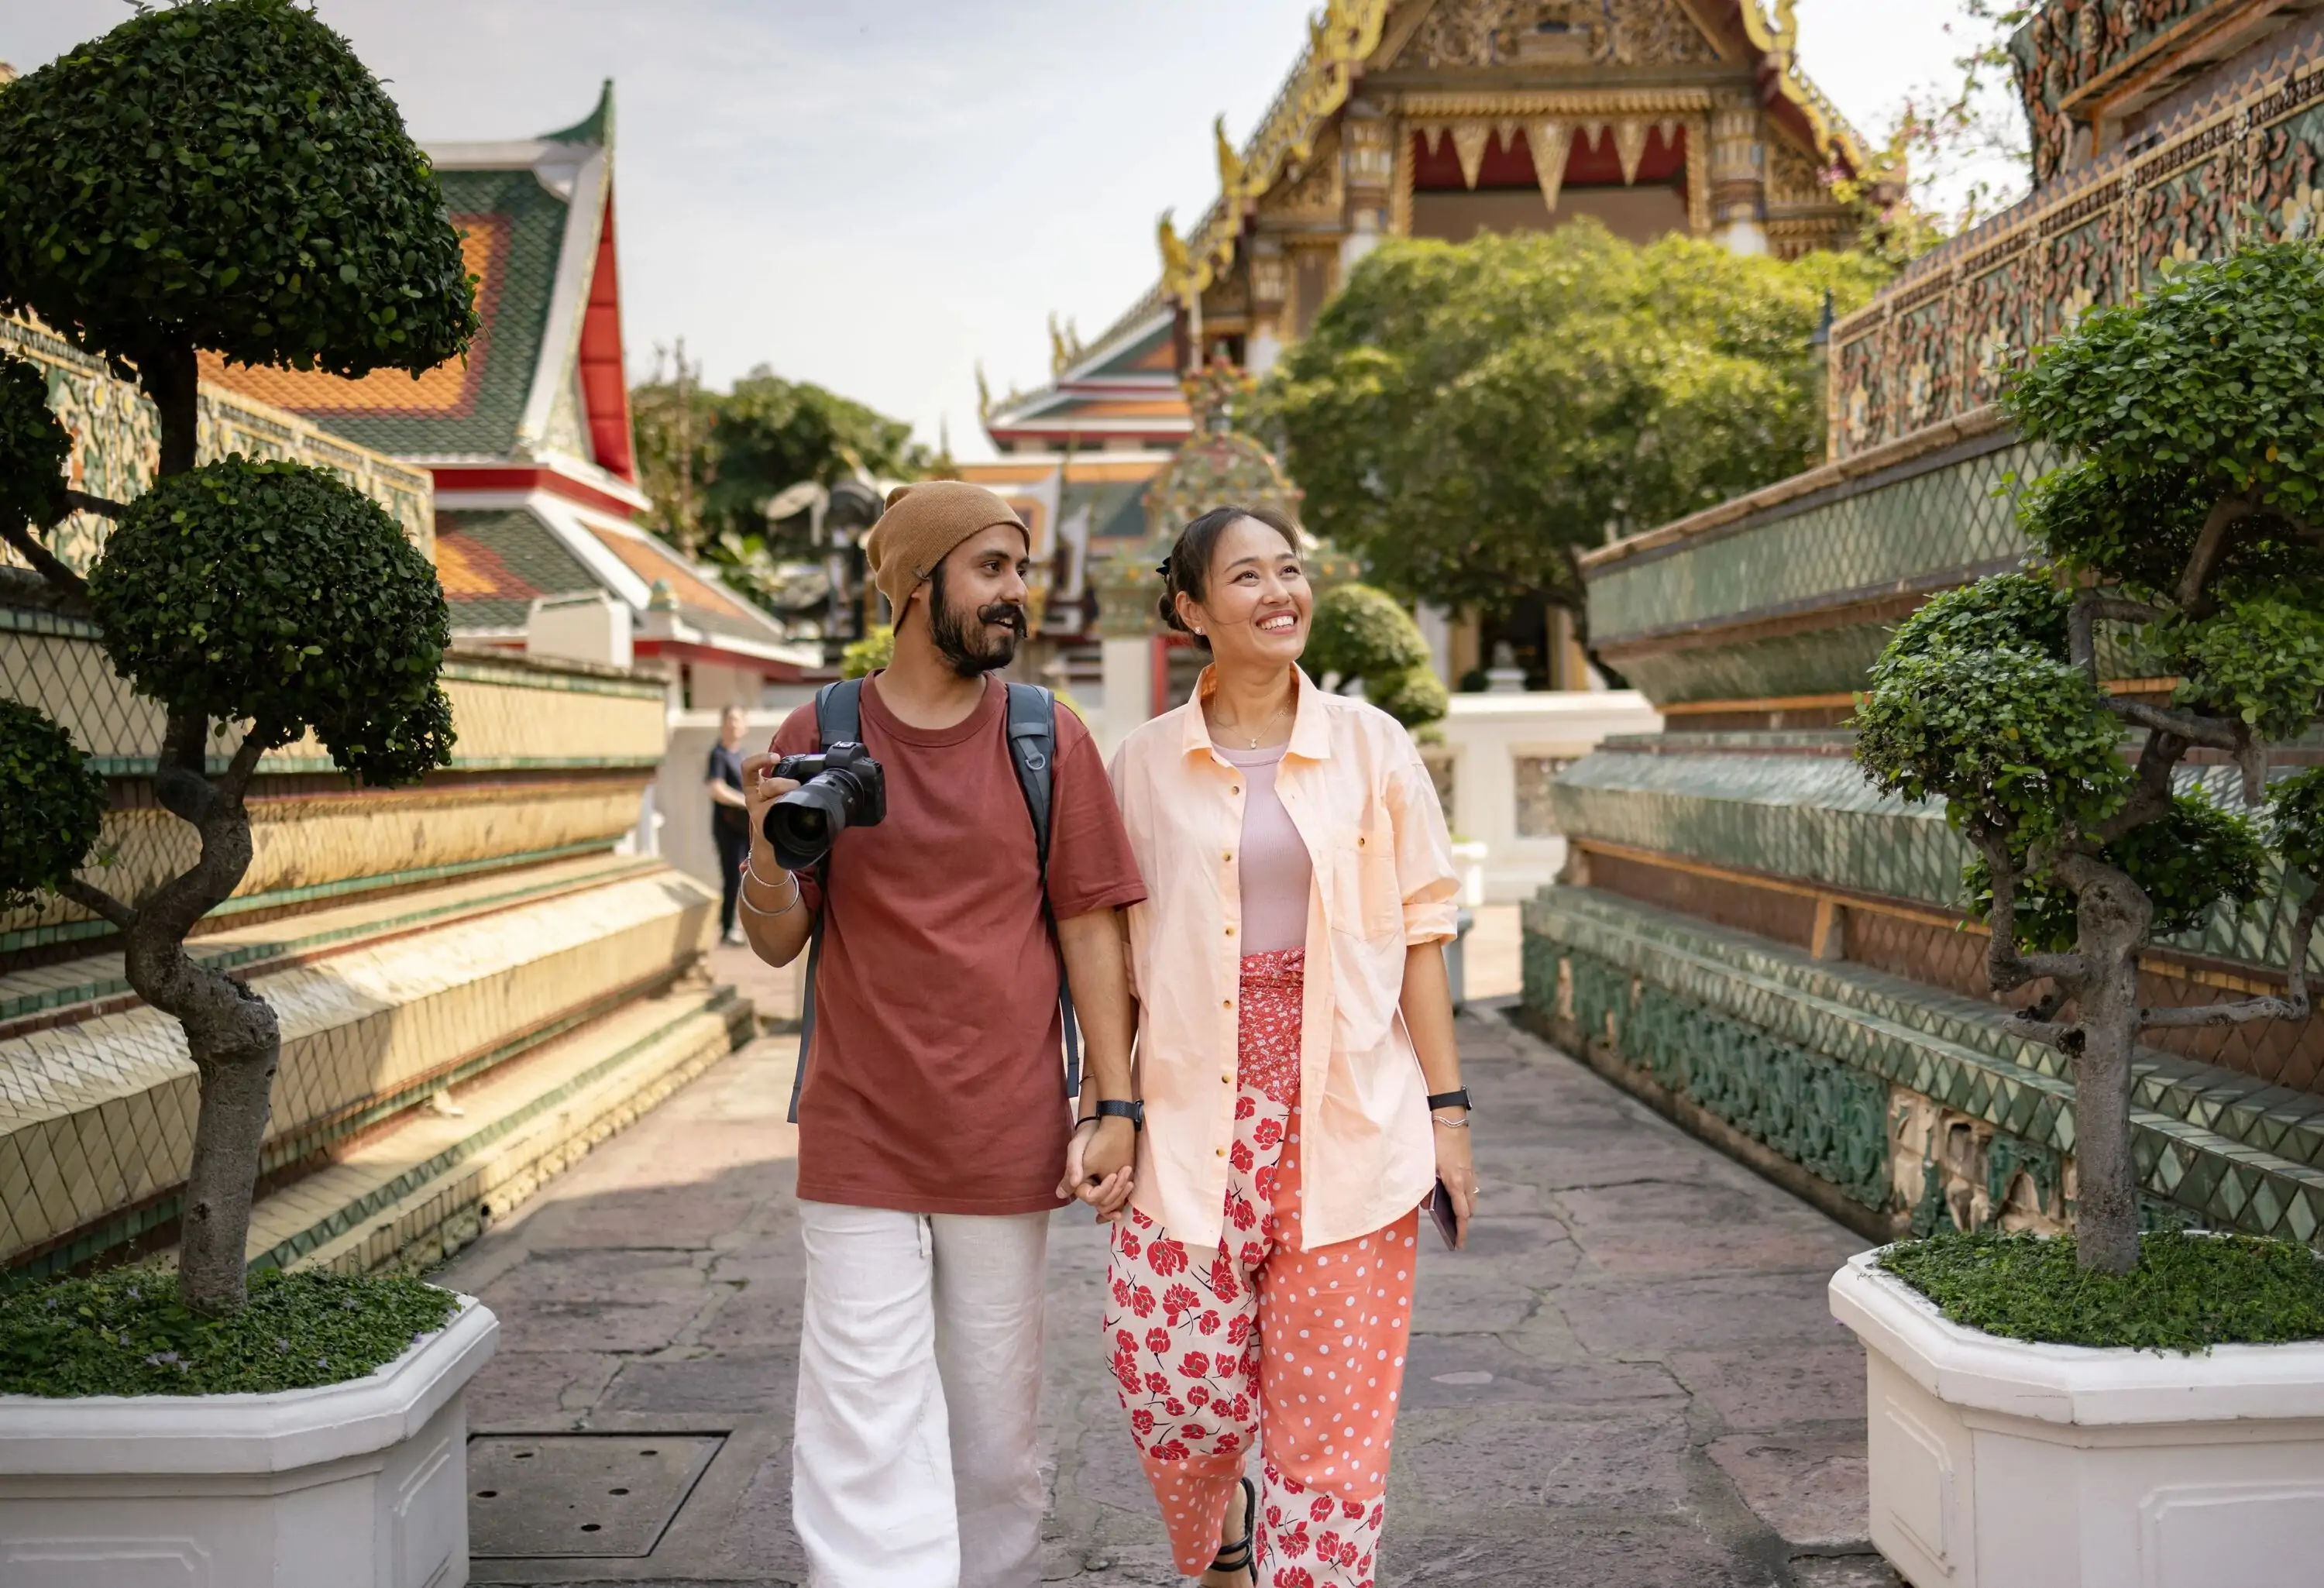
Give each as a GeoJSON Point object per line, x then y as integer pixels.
{"type": "Point", "coordinates": [1999, 1464]}
{"type": "Point", "coordinates": [355, 1485]}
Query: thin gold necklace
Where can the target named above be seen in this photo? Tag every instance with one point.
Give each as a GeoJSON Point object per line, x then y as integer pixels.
{"type": "Point", "coordinates": [1237, 727]}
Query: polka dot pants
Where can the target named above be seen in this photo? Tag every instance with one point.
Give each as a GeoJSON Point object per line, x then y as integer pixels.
{"type": "Point", "coordinates": [1264, 1343]}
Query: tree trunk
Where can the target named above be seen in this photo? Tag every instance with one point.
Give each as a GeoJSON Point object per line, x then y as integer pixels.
{"type": "Point", "coordinates": [172, 379]}
{"type": "Point", "coordinates": [232, 1033]}
{"type": "Point", "coordinates": [214, 1232]}
{"type": "Point", "coordinates": [2113, 916]}
{"type": "Point", "coordinates": [2105, 1209]}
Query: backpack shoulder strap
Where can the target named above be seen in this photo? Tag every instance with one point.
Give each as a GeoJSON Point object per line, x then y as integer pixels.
{"type": "Point", "coordinates": [1033, 747]}
{"type": "Point", "coordinates": [1032, 727]}
{"type": "Point", "coordinates": [838, 719]}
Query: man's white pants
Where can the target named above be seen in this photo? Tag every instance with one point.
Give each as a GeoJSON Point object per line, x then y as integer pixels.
{"type": "Point", "coordinates": [914, 1460]}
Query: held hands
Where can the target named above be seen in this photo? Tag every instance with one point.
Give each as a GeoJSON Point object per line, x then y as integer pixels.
{"type": "Point", "coordinates": [1457, 1167]}
{"type": "Point", "coordinates": [1098, 1161]}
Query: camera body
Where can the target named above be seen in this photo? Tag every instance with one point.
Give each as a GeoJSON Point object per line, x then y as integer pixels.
{"type": "Point", "coordinates": [841, 787]}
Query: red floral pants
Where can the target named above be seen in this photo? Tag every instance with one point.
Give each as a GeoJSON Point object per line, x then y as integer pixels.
{"type": "Point", "coordinates": [1264, 1341]}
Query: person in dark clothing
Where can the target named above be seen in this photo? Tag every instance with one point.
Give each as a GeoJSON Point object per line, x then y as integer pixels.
{"type": "Point", "coordinates": [730, 819]}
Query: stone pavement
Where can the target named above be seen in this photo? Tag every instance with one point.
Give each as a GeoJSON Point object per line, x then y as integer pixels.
{"type": "Point", "coordinates": [1631, 1379]}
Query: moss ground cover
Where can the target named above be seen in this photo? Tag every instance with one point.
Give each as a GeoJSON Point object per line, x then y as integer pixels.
{"type": "Point", "coordinates": [128, 1333]}
{"type": "Point", "coordinates": [2189, 1293]}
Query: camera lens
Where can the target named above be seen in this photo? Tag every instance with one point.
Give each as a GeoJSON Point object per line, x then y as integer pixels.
{"type": "Point", "coordinates": [802, 824]}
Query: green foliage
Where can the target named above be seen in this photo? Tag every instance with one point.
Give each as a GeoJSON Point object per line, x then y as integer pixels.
{"type": "Point", "coordinates": [33, 448]}
{"type": "Point", "coordinates": [1466, 418]}
{"type": "Point", "coordinates": [2189, 1291]}
{"type": "Point", "coordinates": [2196, 856]}
{"type": "Point", "coordinates": [868, 655]}
{"type": "Point", "coordinates": [2296, 821]}
{"type": "Point", "coordinates": [1973, 703]}
{"type": "Point", "coordinates": [227, 171]}
{"type": "Point", "coordinates": [2258, 657]}
{"type": "Point", "coordinates": [275, 592]}
{"type": "Point", "coordinates": [54, 801]}
{"type": "Point", "coordinates": [127, 1333]}
{"type": "Point", "coordinates": [1358, 631]}
{"type": "Point", "coordinates": [2139, 533]}
{"type": "Point", "coordinates": [2004, 612]}
{"type": "Point", "coordinates": [2211, 384]}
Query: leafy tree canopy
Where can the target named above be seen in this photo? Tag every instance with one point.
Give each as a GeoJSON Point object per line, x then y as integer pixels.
{"type": "Point", "coordinates": [275, 593]}
{"type": "Point", "coordinates": [33, 448]}
{"type": "Point", "coordinates": [737, 450]}
{"type": "Point", "coordinates": [1466, 418]}
{"type": "Point", "coordinates": [226, 173]}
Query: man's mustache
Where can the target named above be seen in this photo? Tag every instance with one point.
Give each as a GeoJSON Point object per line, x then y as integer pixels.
{"type": "Point", "coordinates": [1003, 611]}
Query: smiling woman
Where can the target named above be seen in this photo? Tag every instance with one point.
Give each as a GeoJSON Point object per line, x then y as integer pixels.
{"type": "Point", "coordinates": [1289, 1141]}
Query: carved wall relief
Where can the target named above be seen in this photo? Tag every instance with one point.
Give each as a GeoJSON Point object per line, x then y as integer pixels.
{"type": "Point", "coordinates": [1497, 32]}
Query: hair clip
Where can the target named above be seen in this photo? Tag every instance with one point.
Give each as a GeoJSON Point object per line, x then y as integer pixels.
{"type": "Point", "coordinates": [1163, 567]}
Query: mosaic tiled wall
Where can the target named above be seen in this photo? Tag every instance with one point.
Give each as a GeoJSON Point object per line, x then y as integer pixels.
{"type": "Point", "coordinates": [573, 747]}
{"type": "Point", "coordinates": [1656, 989]}
{"type": "Point", "coordinates": [2071, 48]}
{"type": "Point", "coordinates": [1795, 814]}
{"type": "Point", "coordinates": [1794, 598]}
{"type": "Point", "coordinates": [1936, 342]}
{"type": "Point", "coordinates": [118, 442]}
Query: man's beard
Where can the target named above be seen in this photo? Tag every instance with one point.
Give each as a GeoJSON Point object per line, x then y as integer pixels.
{"type": "Point", "coordinates": [966, 646]}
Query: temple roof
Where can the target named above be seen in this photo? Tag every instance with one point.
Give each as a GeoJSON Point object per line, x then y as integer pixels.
{"type": "Point", "coordinates": [543, 380]}
{"type": "Point", "coordinates": [1125, 389]}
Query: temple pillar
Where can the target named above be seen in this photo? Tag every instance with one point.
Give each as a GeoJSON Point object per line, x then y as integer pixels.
{"type": "Point", "coordinates": [1263, 344]}
{"type": "Point", "coordinates": [1738, 175]}
{"type": "Point", "coordinates": [1127, 625]}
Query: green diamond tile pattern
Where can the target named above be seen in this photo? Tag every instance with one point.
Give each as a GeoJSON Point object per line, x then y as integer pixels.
{"type": "Point", "coordinates": [512, 554]}
{"type": "Point", "coordinates": [1613, 952]}
{"type": "Point", "coordinates": [1869, 535]}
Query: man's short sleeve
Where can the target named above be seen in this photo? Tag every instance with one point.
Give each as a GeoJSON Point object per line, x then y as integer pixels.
{"type": "Point", "coordinates": [1090, 866]}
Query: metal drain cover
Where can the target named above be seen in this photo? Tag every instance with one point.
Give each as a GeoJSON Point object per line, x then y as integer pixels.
{"type": "Point", "coordinates": [578, 1494]}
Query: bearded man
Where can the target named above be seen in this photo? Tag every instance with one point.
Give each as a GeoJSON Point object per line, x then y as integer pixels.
{"type": "Point", "coordinates": [935, 1137]}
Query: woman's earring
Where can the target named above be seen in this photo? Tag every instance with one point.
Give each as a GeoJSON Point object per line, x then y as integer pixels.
{"type": "Point", "coordinates": [1198, 630]}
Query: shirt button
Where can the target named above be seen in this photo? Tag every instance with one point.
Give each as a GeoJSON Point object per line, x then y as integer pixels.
{"type": "Point", "coordinates": [1236, 790]}
{"type": "Point", "coordinates": [1230, 931]}
{"type": "Point", "coordinates": [1226, 1003]}
{"type": "Point", "coordinates": [1226, 1080]}
{"type": "Point", "coordinates": [1221, 1152]}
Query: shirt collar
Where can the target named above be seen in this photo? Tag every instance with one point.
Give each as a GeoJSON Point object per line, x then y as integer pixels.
{"type": "Point", "coordinates": [1311, 735]}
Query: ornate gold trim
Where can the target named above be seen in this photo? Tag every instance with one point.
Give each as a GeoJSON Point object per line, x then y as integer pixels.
{"type": "Point", "coordinates": [1570, 103]}
{"type": "Point", "coordinates": [1399, 201]}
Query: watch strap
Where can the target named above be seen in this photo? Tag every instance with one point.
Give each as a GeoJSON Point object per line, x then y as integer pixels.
{"type": "Point", "coordinates": [1456, 1099]}
{"type": "Point", "coordinates": [1114, 1108]}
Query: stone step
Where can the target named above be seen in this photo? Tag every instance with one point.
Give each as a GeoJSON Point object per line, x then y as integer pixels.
{"type": "Point", "coordinates": [96, 1114]}
{"type": "Point", "coordinates": [411, 1194]}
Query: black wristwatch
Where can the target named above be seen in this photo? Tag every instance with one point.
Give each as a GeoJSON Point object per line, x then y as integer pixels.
{"type": "Point", "coordinates": [1437, 1100]}
{"type": "Point", "coordinates": [1113, 1108]}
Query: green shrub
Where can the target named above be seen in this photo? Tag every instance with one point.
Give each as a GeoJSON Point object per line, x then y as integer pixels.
{"type": "Point", "coordinates": [276, 592]}
{"type": "Point", "coordinates": [1358, 631]}
{"type": "Point", "coordinates": [55, 804]}
{"type": "Point", "coordinates": [282, 215]}
{"type": "Point", "coordinates": [33, 448]}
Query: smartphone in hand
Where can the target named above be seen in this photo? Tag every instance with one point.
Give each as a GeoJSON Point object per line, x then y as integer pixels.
{"type": "Point", "coordinates": [1448, 1222]}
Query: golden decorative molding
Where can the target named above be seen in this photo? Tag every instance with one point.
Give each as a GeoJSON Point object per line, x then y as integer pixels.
{"type": "Point", "coordinates": [1698, 175]}
{"type": "Point", "coordinates": [1551, 143]}
{"type": "Point", "coordinates": [1572, 104]}
{"type": "Point", "coordinates": [1399, 201]}
{"type": "Point", "coordinates": [1458, 35]}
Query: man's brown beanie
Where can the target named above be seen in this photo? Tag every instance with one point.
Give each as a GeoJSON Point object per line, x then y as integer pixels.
{"type": "Point", "coordinates": [923, 523]}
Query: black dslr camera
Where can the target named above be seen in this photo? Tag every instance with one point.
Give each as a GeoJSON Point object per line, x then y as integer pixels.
{"type": "Point", "coordinates": [840, 788]}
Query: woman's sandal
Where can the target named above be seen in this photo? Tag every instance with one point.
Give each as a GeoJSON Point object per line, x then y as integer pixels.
{"type": "Point", "coordinates": [1236, 1556]}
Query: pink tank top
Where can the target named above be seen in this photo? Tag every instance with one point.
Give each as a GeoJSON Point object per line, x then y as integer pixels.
{"type": "Point", "coordinates": [1274, 873]}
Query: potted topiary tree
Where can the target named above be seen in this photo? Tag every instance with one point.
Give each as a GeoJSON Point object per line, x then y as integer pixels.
{"type": "Point", "coordinates": [2106, 1408]}
{"type": "Point", "coordinates": [223, 175]}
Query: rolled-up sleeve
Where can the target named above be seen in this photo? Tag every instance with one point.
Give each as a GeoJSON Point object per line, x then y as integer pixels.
{"type": "Point", "coordinates": [1424, 852]}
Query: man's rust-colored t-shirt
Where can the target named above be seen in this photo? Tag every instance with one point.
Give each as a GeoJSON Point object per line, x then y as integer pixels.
{"type": "Point", "coordinates": [938, 1080]}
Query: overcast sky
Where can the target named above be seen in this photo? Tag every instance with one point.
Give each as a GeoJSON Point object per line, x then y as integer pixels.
{"type": "Point", "coordinates": [875, 197]}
